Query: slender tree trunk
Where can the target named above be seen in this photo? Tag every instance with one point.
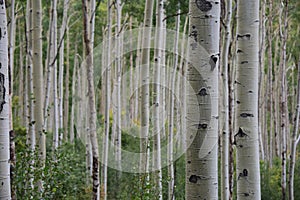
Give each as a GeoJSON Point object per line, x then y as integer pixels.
{"type": "Point", "coordinates": [171, 108]}
{"type": "Point", "coordinates": [270, 80]}
{"type": "Point", "coordinates": [262, 103]}
{"type": "Point", "coordinates": [157, 99]}
{"type": "Point", "coordinates": [202, 97]}
{"type": "Point", "coordinates": [118, 138]}
{"type": "Point", "coordinates": [246, 137]}
{"type": "Point", "coordinates": [5, 189]}
{"type": "Point", "coordinates": [225, 130]}
{"type": "Point", "coordinates": [63, 106]}
{"type": "Point", "coordinates": [107, 104]}
{"type": "Point", "coordinates": [11, 53]}
{"type": "Point", "coordinates": [72, 134]}
{"type": "Point", "coordinates": [283, 101]}
{"type": "Point", "coordinates": [91, 102]}
{"type": "Point", "coordinates": [53, 65]}
{"type": "Point", "coordinates": [38, 83]}
{"type": "Point", "coordinates": [294, 142]}
{"type": "Point", "coordinates": [145, 78]}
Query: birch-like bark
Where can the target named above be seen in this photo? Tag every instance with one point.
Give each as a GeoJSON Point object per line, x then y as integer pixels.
{"type": "Point", "coordinates": [262, 104]}
{"type": "Point", "coordinates": [225, 129]}
{"type": "Point", "coordinates": [63, 106]}
{"type": "Point", "coordinates": [145, 78]}
{"type": "Point", "coordinates": [246, 137]}
{"type": "Point", "coordinates": [91, 103]}
{"type": "Point", "coordinates": [157, 100]}
{"type": "Point", "coordinates": [72, 134]}
{"type": "Point", "coordinates": [294, 142]}
{"type": "Point", "coordinates": [202, 123]}
{"type": "Point", "coordinates": [105, 141]}
{"type": "Point", "coordinates": [283, 100]}
{"type": "Point", "coordinates": [118, 138]}
{"type": "Point", "coordinates": [5, 189]}
{"type": "Point", "coordinates": [38, 83]}
{"type": "Point", "coordinates": [30, 139]}
{"type": "Point", "coordinates": [11, 52]}
{"type": "Point", "coordinates": [171, 107]}
{"type": "Point", "coordinates": [270, 80]}
{"type": "Point", "coordinates": [53, 65]}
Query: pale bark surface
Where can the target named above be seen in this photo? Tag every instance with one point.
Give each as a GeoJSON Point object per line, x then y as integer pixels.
{"type": "Point", "coordinates": [202, 75]}
{"type": "Point", "coordinates": [107, 73]}
{"type": "Point", "coordinates": [157, 99]}
{"type": "Point", "coordinates": [294, 142]}
{"type": "Point", "coordinates": [145, 94]}
{"type": "Point", "coordinates": [5, 189]}
{"type": "Point", "coordinates": [246, 82]}
{"type": "Point", "coordinates": [38, 83]}
{"type": "Point", "coordinates": [91, 104]}
{"type": "Point", "coordinates": [225, 126]}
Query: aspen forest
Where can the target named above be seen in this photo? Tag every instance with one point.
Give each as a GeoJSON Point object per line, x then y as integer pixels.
{"type": "Point", "coordinates": [149, 99]}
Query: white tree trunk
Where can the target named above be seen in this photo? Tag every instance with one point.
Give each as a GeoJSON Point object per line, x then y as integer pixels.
{"type": "Point", "coordinates": [294, 142]}
{"type": "Point", "coordinates": [145, 93]}
{"type": "Point", "coordinates": [157, 100]}
{"type": "Point", "coordinates": [284, 124]}
{"type": "Point", "coordinates": [5, 190]}
{"type": "Point", "coordinates": [30, 140]}
{"type": "Point", "coordinates": [225, 129]}
{"type": "Point", "coordinates": [246, 82]}
{"type": "Point", "coordinates": [202, 97]}
{"type": "Point", "coordinates": [53, 65]}
{"type": "Point", "coordinates": [91, 102]}
{"type": "Point", "coordinates": [38, 83]}
{"type": "Point", "coordinates": [63, 107]}
{"type": "Point", "coordinates": [105, 141]}
{"type": "Point", "coordinates": [171, 108]}
{"type": "Point", "coordinates": [118, 82]}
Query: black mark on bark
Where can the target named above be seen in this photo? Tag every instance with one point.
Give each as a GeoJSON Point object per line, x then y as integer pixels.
{"type": "Point", "coordinates": [245, 172]}
{"type": "Point", "coordinates": [246, 36]}
{"type": "Point", "coordinates": [246, 115]}
{"type": "Point", "coordinates": [202, 92]}
{"type": "Point", "coordinates": [194, 33]}
{"type": "Point", "coordinates": [213, 61]}
{"type": "Point", "coordinates": [203, 5]}
{"type": "Point", "coordinates": [1, 2]}
{"type": "Point", "coordinates": [239, 51]}
{"type": "Point", "coordinates": [0, 32]}
{"type": "Point", "coordinates": [238, 102]}
{"type": "Point", "coordinates": [2, 91]}
{"type": "Point", "coordinates": [202, 126]}
{"type": "Point", "coordinates": [240, 133]}
{"type": "Point", "coordinates": [244, 62]}
{"type": "Point", "coordinates": [194, 178]}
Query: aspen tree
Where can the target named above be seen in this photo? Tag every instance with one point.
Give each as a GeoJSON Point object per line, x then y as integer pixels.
{"type": "Point", "coordinates": [225, 137]}
{"type": "Point", "coordinates": [38, 83]}
{"type": "Point", "coordinates": [157, 92]}
{"type": "Point", "coordinates": [91, 103]}
{"type": "Point", "coordinates": [284, 122]}
{"type": "Point", "coordinates": [5, 189]}
{"type": "Point", "coordinates": [105, 141]}
{"type": "Point", "coordinates": [145, 93]}
{"type": "Point", "coordinates": [295, 140]}
{"type": "Point", "coordinates": [171, 107]}
{"type": "Point", "coordinates": [63, 103]}
{"type": "Point", "coordinates": [246, 83]}
{"type": "Point", "coordinates": [202, 75]}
